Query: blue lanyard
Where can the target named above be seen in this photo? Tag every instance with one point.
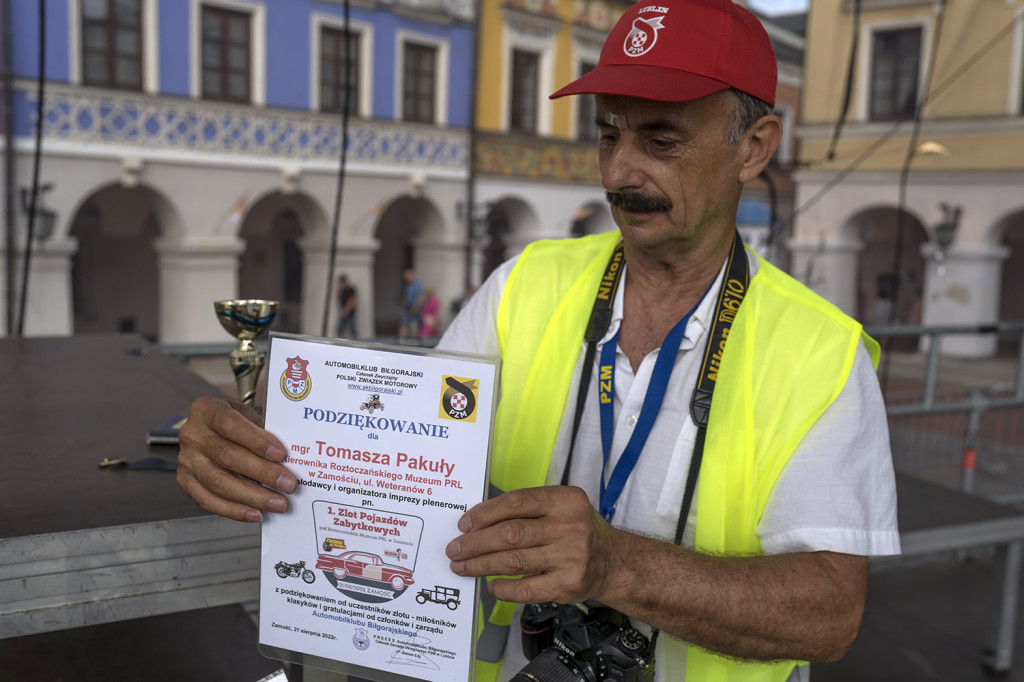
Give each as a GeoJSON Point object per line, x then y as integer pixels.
{"type": "Point", "coordinates": [648, 412]}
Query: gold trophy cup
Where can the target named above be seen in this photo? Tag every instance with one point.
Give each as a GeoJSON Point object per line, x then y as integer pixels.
{"type": "Point", "coordinates": [245, 319]}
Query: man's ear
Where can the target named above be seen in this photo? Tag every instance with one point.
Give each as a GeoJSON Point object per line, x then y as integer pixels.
{"type": "Point", "coordinates": [760, 143]}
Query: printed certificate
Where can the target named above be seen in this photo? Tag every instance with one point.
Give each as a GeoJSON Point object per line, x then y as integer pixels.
{"type": "Point", "coordinates": [390, 447]}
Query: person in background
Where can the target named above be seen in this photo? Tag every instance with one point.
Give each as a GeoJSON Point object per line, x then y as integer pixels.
{"type": "Point", "coordinates": [430, 315]}
{"type": "Point", "coordinates": [886, 285]}
{"type": "Point", "coordinates": [412, 304]}
{"type": "Point", "coordinates": [346, 297]}
{"type": "Point", "coordinates": [459, 303]}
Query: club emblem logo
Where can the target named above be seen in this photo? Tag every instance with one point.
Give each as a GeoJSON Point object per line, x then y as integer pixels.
{"type": "Point", "coordinates": [295, 380]}
{"type": "Point", "coordinates": [642, 37]}
{"type": "Point", "coordinates": [361, 640]}
{"type": "Point", "coordinates": [458, 398]}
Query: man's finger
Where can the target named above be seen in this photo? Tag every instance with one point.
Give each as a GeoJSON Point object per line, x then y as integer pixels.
{"type": "Point", "coordinates": [238, 423]}
{"type": "Point", "coordinates": [213, 504]}
{"type": "Point", "coordinates": [524, 503]}
{"type": "Point", "coordinates": [509, 535]}
{"type": "Point", "coordinates": [223, 433]}
{"type": "Point", "coordinates": [528, 561]}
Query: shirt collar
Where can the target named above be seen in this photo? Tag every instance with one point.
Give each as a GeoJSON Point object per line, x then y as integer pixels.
{"type": "Point", "coordinates": [701, 320]}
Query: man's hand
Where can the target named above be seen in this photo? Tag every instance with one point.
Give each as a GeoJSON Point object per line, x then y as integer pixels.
{"type": "Point", "coordinates": [802, 606]}
{"type": "Point", "coordinates": [221, 442]}
{"type": "Point", "coordinates": [552, 535]}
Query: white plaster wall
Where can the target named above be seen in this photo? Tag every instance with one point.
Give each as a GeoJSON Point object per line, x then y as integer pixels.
{"type": "Point", "coordinates": [555, 205]}
{"type": "Point", "coordinates": [48, 305]}
{"type": "Point", "coordinates": [825, 246]}
{"type": "Point", "coordinates": [963, 289]}
{"type": "Point", "coordinates": [198, 244]}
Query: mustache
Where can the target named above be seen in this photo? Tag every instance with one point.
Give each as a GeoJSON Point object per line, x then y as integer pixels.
{"type": "Point", "coordinates": [639, 202]}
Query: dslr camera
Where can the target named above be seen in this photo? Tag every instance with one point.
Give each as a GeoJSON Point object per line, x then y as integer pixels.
{"type": "Point", "coordinates": [579, 643]}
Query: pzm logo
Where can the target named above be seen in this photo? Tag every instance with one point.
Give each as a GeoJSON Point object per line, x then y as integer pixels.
{"type": "Point", "coordinates": [458, 398]}
{"type": "Point", "coordinates": [295, 380]}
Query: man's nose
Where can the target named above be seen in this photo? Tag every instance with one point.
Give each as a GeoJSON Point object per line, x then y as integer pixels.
{"type": "Point", "coordinates": [622, 168]}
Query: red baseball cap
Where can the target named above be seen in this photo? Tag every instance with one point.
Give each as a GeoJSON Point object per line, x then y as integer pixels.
{"type": "Point", "coordinates": [680, 50]}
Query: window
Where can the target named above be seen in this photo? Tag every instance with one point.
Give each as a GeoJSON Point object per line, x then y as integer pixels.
{"type": "Point", "coordinates": [419, 80]}
{"type": "Point", "coordinates": [586, 111]}
{"type": "Point", "coordinates": [333, 69]}
{"type": "Point", "coordinates": [529, 62]}
{"type": "Point", "coordinates": [112, 43]}
{"type": "Point", "coordinates": [226, 54]}
{"type": "Point", "coordinates": [523, 102]}
{"type": "Point", "coordinates": [895, 69]}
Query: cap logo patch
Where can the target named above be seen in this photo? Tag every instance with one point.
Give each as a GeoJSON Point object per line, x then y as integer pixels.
{"type": "Point", "coordinates": [644, 34]}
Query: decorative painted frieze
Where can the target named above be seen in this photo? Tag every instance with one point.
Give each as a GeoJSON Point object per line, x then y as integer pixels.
{"type": "Point", "coordinates": [537, 158]}
{"type": "Point", "coordinates": [171, 125]}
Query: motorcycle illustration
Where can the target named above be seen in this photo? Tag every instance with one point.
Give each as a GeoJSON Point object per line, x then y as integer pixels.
{"type": "Point", "coordinates": [372, 404]}
{"type": "Point", "coordinates": [286, 570]}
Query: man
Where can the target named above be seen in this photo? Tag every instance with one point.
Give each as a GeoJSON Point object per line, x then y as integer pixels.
{"type": "Point", "coordinates": [412, 304]}
{"type": "Point", "coordinates": [346, 309]}
{"type": "Point", "coordinates": [886, 286]}
{"type": "Point", "coordinates": [795, 482]}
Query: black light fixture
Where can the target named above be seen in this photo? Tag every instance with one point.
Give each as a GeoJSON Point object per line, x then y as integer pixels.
{"type": "Point", "coordinates": [478, 224]}
{"type": "Point", "coordinates": [46, 219]}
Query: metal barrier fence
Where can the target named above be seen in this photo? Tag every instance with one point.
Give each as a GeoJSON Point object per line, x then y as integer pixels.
{"type": "Point", "coordinates": [941, 428]}
{"type": "Point", "coordinates": [186, 351]}
{"type": "Point", "coordinates": [948, 428]}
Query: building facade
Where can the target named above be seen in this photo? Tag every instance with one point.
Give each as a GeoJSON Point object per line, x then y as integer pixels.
{"type": "Point", "coordinates": [914, 214]}
{"type": "Point", "coordinates": [190, 151]}
{"type": "Point", "coordinates": [535, 164]}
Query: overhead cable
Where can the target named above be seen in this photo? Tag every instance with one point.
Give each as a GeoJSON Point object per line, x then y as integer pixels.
{"type": "Point", "coordinates": [848, 89]}
{"type": "Point", "coordinates": [901, 208]}
{"type": "Point", "coordinates": [894, 128]}
{"type": "Point", "coordinates": [10, 235]}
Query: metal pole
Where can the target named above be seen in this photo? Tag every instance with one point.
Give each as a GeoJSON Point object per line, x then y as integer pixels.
{"type": "Point", "coordinates": [1019, 384]}
{"type": "Point", "coordinates": [932, 373]}
{"type": "Point", "coordinates": [9, 215]}
{"type": "Point", "coordinates": [468, 279]}
{"type": "Point", "coordinates": [346, 106]}
{"type": "Point", "coordinates": [970, 456]}
{"type": "Point", "coordinates": [36, 155]}
{"type": "Point", "coordinates": [998, 657]}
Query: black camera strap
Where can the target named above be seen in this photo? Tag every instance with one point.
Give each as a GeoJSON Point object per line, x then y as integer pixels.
{"type": "Point", "coordinates": [597, 327]}
{"type": "Point", "coordinates": [730, 296]}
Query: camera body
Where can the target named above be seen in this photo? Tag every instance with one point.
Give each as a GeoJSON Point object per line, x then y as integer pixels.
{"type": "Point", "coordinates": [577, 643]}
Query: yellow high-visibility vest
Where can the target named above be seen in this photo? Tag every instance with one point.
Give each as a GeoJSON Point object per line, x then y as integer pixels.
{"type": "Point", "coordinates": [788, 356]}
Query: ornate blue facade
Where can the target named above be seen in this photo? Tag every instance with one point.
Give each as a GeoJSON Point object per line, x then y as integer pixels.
{"type": "Point", "coordinates": [282, 121]}
{"type": "Point", "coordinates": [167, 195]}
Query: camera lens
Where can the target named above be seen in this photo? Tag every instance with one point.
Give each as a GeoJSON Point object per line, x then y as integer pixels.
{"type": "Point", "coordinates": [552, 665]}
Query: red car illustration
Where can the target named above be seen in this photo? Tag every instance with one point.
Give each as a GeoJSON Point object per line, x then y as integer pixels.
{"type": "Point", "coordinates": [365, 565]}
